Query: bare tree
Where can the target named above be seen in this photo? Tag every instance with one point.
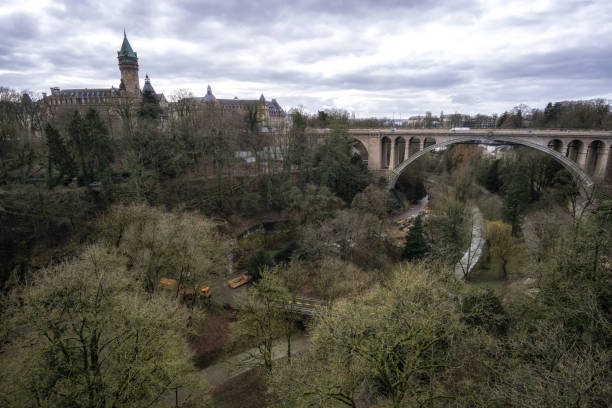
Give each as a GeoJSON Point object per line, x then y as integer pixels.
{"type": "Point", "coordinates": [182, 102]}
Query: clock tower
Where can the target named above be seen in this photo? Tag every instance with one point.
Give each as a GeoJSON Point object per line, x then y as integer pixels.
{"type": "Point", "coordinates": [128, 65]}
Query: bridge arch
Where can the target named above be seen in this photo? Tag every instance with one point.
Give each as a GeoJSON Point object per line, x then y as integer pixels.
{"type": "Point", "coordinates": [577, 173]}
{"type": "Point", "coordinates": [556, 145]}
{"type": "Point", "coordinates": [414, 146]}
{"type": "Point", "coordinates": [574, 150]}
{"type": "Point", "coordinates": [360, 148]}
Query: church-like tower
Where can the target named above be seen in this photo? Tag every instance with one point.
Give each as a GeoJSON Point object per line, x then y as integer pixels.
{"type": "Point", "coordinates": [128, 65]}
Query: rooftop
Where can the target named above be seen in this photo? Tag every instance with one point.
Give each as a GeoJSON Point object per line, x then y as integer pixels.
{"type": "Point", "coordinates": [126, 49]}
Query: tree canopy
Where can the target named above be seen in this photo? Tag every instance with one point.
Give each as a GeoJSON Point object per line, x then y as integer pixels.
{"type": "Point", "coordinates": [83, 335]}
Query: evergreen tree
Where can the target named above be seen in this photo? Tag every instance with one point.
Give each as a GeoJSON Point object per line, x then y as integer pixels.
{"type": "Point", "coordinates": [549, 114]}
{"type": "Point", "coordinates": [493, 182]}
{"type": "Point", "coordinates": [251, 117]}
{"type": "Point", "coordinates": [416, 246]}
{"type": "Point", "coordinates": [516, 198]}
{"type": "Point", "coordinates": [88, 137]}
{"type": "Point", "coordinates": [58, 156]}
{"type": "Point", "coordinates": [344, 173]}
{"type": "Point", "coordinates": [258, 262]}
{"type": "Point", "coordinates": [299, 152]}
{"type": "Point", "coordinates": [323, 117]}
{"type": "Point", "coordinates": [482, 307]}
{"type": "Point", "coordinates": [502, 119]}
{"type": "Point", "coordinates": [149, 107]}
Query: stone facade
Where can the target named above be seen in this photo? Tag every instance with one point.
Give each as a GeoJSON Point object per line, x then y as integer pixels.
{"type": "Point", "coordinates": [269, 113]}
{"type": "Point", "coordinates": [108, 101]}
{"type": "Point", "coordinates": [111, 102]}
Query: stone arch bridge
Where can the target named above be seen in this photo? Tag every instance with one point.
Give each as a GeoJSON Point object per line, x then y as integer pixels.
{"type": "Point", "coordinates": [586, 154]}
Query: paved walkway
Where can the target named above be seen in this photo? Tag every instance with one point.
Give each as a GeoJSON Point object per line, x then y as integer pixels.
{"type": "Point", "coordinates": [223, 371]}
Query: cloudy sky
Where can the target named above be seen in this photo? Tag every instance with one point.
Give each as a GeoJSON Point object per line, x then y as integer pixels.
{"type": "Point", "coordinates": [374, 58]}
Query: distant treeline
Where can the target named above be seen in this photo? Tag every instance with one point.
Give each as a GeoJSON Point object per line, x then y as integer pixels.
{"type": "Point", "coordinates": [588, 114]}
{"type": "Point", "coordinates": [591, 114]}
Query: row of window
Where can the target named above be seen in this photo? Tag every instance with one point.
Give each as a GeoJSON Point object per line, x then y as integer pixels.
{"type": "Point", "coordinates": [76, 101]}
{"type": "Point", "coordinates": [86, 94]}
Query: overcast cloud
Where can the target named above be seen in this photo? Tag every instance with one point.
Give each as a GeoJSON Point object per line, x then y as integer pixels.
{"type": "Point", "coordinates": [374, 58]}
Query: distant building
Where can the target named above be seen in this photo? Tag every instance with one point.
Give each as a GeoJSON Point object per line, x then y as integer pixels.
{"type": "Point", "coordinates": [427, 121]}
{"type": "Point", "coordinates": [455, 120]}
{"type": "Point", "coordinates": [128, 95]}
{"type": "Point", "coordinates": [480, 122]}
{"type": "Point", "coordinates": [414, 121]}
{"type": "Point", "coordinates": [129, 87]}
{"type": "Point", "coordinates": [269, 113]}
{"type": "Point", "coordinates": [113, 102]}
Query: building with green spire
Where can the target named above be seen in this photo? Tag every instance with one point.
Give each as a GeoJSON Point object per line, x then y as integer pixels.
{"type": "Point", "coordinates": [113, 102]}
{"type": "Point", "coordinates": [128, 65]}
{"type": "Point", "coordinates": [107, 100]}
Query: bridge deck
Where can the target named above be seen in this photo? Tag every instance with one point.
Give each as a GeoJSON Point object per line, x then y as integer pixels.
{"type": "Point", "coordinates": [605, 134]}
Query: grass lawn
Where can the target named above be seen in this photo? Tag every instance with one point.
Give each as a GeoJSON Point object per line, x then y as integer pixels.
{"type": "Point", "coordinates": [487, 278]}
{"type": "Point", "coordinates": [212, 333]}
{"type": "Point", "coordinates": [496, 286]}
{"type": "Point", "coordinates": [247, 390]}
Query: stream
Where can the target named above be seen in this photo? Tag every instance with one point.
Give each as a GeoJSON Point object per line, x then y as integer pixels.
{"type": "Point", "coordinates": [414, 210]}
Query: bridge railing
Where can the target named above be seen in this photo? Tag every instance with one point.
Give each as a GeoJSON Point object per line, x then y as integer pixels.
{"type": "Point", "coordinates": [304, 305]}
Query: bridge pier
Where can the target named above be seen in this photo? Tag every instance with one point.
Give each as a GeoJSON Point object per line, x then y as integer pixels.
{"type": "Point", "coordinates": [393, 157]}
{"type": "Point", "coordinates": [581, 159]}
{"type": "Point", "coordinates": [373, 145]}
{"type": "Point", "coordinates": [601, 171]}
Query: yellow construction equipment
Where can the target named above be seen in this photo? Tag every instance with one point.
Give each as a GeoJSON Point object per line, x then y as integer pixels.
{"type": "Point", "coordinates": [238, 281]}
{"type": "Point", "coordinates": [171, 284]}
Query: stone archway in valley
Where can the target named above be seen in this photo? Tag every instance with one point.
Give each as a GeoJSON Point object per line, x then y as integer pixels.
{"type": "Point", "coordinates": [569, 161]}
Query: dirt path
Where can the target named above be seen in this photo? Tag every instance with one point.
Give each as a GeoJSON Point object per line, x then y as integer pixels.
{"type": "Point", "coordinates": [217, 374]}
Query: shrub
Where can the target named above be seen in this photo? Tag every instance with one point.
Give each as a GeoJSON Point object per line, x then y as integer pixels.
{"type": "Point", "coordinates": [483, 308]}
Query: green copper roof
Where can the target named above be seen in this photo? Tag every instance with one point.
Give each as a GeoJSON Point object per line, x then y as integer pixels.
{"type": "Point", "coordinates": [126, 48]}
